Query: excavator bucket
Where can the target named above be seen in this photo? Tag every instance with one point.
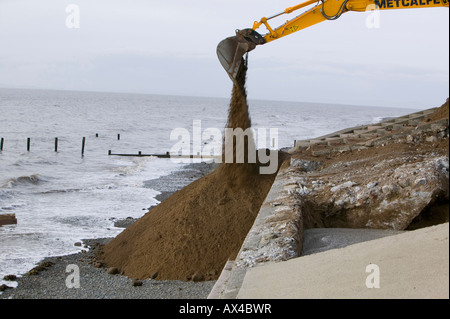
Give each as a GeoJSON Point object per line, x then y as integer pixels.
{"type": "Point", "coordinates": [232, 50]}
{"type": "Point", "coordinates": [230, 53]}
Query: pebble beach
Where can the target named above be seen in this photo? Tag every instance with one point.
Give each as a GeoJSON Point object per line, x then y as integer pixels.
{"type": "Point", "coordinates": [96, 283]}
{"type": "Point", "coordinates": [48, 279]}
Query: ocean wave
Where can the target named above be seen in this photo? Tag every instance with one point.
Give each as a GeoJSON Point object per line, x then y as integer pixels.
{"type": "Point", "coordinates": [133, 166]}
{"type": "Point", "coordinates": [57, 191]}
{"type": "Point", "coordinates": [10, 207]}
{"type": "Point", "coordinates": [379, 119]}
{"type": "Point", "coordinates": [34, 179]}
{"type": "Point", "coordinates": [81, 190]}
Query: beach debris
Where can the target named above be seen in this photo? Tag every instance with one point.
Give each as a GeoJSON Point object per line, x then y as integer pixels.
{"type": "Point", "coordinates": [197, 277]}
{"type": "Point", "coordinates": [113, 270]}
{"type": "Point", "coordinates": [10, 277]}
{"type": "Point", "coordinates": [136, 283]}
{"type": "Point", "coordinates": [154, 275]}
{"type": "Point", "coordinates": [4, 287]}
{"type": "Point", "coordinates": [41, 267]}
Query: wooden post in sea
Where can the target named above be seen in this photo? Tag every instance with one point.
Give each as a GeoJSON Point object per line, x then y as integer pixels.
{"type": "Point", "coordinates": [82, 146]}
{"type": "Point", "coordinates": [56, 144]}
{"type": "Point", "coordinates": [28, 144]}
{"type": "Point", "coordinates": [8, 219]}
{"type": "Point", "coordinates": [118, 137]}
{"type": "Point", "coordinates": [2, 140]}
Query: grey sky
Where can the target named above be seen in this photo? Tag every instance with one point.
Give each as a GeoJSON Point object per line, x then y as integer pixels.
{"type": "Point", "coordinates": [169, 47]}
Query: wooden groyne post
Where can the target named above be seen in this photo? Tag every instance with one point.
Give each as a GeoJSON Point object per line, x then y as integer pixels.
{"type": "Point", "coordinates": [83, 143]}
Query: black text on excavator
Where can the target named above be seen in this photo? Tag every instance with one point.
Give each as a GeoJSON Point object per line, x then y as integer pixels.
{"type": "Point", "coordinates": [232, 50]}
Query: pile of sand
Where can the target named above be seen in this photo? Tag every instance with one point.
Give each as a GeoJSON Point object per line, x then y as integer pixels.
{"type": "Point", "coordinates": [192, 234]}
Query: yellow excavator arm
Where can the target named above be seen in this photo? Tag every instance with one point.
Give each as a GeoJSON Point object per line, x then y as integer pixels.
{"type": "Point", "coordinates": [231, 50]}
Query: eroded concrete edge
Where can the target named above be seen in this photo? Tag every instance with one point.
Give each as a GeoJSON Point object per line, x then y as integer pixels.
{"type": "Point", "coordinates": [276, 235]}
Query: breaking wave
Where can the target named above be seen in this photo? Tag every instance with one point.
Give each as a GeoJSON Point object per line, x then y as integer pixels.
{"type": "Point", "coordinates": [138, 165]}
{"type": "Point", "coordinates": [34, 179]}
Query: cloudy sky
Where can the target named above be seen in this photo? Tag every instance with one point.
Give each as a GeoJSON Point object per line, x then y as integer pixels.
{"type": "Point", "coordinates": [169, 47]}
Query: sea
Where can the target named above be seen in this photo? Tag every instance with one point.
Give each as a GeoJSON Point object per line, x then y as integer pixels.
{"type": "Point", "coordinates": [73, 190]}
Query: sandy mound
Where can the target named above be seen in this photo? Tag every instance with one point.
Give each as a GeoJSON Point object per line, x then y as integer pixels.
{"type": "Point", "coordinates": [192, 234]}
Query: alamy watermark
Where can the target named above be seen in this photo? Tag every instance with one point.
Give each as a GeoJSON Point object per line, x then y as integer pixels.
{"type": "Point", "coordinates": [258, 145]}
{"type": "Point", "coordinates": [73, 279]}
{"type": "Point", "coordinates": [73, 19]}
{"type": "Point", "coordinates": [373, 18]}
{"type": "Point", "coordinates": [373, 280]}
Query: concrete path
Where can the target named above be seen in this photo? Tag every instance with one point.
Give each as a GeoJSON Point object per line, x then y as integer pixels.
{"type": "Point", "coordinates": [412, 264]}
